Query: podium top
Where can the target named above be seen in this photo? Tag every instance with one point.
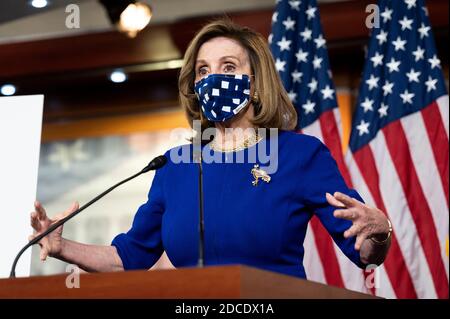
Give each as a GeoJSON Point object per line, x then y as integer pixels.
{"type": "Point", "coordinates": [221, 282]}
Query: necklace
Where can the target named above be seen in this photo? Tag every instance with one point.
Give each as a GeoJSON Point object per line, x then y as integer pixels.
{"type": "Point", "coordinates": [248, 142]}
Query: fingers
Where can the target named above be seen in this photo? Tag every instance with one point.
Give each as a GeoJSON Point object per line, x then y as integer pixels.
{"type": "Point", "coordinates": [345, 199]}
{"type": "Point", "coordinates": [333, 201]}
{"type": "Point", "coordinates": [43, 254]}
{"type": "Point", "coordinates": [361, 236]}
{"type": "Point", "coordinates": [75, 206]}
{"type": "Point", "coordinates": [41, 214]}
{"type": "Point", "coordinates": [34, 221]}
{"type": "Point", "coordinates": [359, 241]}
{"type": "Point", "coordinates": [352, 231]}
{"type": "Point", "coordinates": [349, 214]}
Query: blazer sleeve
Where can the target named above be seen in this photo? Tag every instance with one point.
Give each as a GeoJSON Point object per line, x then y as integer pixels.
{"type": "Point", "coordinates": [321, 175]}
{"type": "Point", "coordinates": [141, 246]}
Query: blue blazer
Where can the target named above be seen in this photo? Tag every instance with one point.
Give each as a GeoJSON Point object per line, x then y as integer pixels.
{"type": "Point", "coordinates": [262, 226]}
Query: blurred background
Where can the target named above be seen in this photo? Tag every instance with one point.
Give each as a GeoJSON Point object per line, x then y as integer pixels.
{"type": "Point", "coordinates": [111, 98]}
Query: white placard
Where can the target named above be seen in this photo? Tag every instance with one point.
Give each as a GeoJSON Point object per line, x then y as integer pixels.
{"type": "Point", "coordinates": [20, 137]}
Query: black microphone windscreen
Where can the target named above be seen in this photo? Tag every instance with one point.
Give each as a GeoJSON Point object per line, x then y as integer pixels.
{"type": "Point", "coordinates": [156, 163]}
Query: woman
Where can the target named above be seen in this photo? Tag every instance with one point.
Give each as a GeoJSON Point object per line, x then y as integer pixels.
{"type": "Point", "coordinates": [252, 217]}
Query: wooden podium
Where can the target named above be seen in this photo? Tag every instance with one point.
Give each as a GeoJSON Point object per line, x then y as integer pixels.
{"type": "Point", "coordinates": [221, 282]}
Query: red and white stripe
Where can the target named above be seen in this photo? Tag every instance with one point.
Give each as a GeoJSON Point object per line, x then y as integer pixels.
{"type": "Point", "coordinates": [405, 169]}
{"type": "Point", "coordinates": [323, 261]}
{"type": "Point", "coordinates": [442, 102]}
{"type": "Point", "coordinates": [404, 172]}
{"type": "Point", "coordinates": [311, 259]}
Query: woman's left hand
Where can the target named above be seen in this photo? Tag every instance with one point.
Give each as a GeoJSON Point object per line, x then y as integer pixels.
{"type": "Point", "coordinates": [367, 221]}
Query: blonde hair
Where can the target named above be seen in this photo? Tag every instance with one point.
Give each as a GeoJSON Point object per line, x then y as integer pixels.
{"type": "Point", "coordinates": [273, 108]}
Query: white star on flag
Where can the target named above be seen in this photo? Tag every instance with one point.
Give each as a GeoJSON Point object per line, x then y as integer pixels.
{"type": "Point", "coordinates": [284, 44]}
{"type": "Point", "coordinates": [435, 62]}
{"type": "Point", "coordinates": [393, 65]}
{"type": "Point", "coordinates": [413, 76]}
{"type": "Point", "coordinates": [279, 65]}
{"type": "Point", "coordinates": [419, 54]}
{"type": "Point", "coordinates": [317, 62]}
{"type": "Point", "coordinates": [301, 56]}
{"type": "Point", "coordinates": [306, 35]}
{"type": "Point", "coordinates": [289, 24]}
{"type": "Point", "coordinates": [327, 93]}
{"type": "Point", "coordinates": [383, 110]}
{"type": "Point", "coordinates": [363, 127]}
{"type": "Point", "coordinates": [367, 105]}
{"type": "Point", "coordinates": [377, 59]}
{"type": "Point", "coordinates": [312, 86]}
{"type": "Point", "coordinates": [407, 97]}
{"type": "Point", "coordinates": [311, 12]}
{"type": "Point", "coordinates": [387, 15]}
{"type": "Point", "coordinates": [423, 30]}
{"type": "Point", "coordinates": [320, 41]}
{"type": "Point", "coordinates": [406, 23]}
{"type": "Point", "coordinates": [399, 44]}
{"type": "Point", "coordinates": [431, 84]}
{"type": "Point", "coordinates": [274, 17]}
{"type": "Point", "coordinates": [410, 3]}
{"type": "Point", "coordinates": [296, 76]}
{"type": "Point", "coordinates": [382, 37]}
{"type": "Point", "coordinates": [295, 5]}
{"type": "Point", "coordinates": [387, 87]}
{"type": "Point", "coordinates": [309, 107]}
{"type": "Point", "coordinates": [372, 82]}
{"type": "Point", "coordinates": [292, 96]}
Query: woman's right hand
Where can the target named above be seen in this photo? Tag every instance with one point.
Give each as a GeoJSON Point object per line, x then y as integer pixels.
{"type": "Point", "coordinates": [51, 245]}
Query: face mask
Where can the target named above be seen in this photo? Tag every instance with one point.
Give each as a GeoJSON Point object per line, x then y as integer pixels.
{"type": "Point", "coordinates": [222, 96]}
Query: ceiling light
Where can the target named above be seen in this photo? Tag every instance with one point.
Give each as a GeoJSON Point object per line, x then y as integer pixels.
{"type": "Point", "coordinates": [118, 76]}
{"type": "Point", "coordinates": [134, 18]}
{"type": "Point", "coordinates": [39, 3]}
{"type": "Point", "coordinates": [8, 89]}
{"type": "Point", "coordinates": [129, 16]}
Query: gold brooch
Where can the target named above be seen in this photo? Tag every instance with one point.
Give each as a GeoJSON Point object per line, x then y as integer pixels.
{"type": "Point", "coordinates": [259, 173]}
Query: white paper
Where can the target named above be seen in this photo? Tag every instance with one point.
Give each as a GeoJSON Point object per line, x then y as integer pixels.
{"type": "Point", "coordinates": [20, 137]}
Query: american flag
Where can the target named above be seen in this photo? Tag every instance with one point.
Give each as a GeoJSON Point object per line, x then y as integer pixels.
{"type": "Point", "coordinates": [301, 58]}
{"type": "Point", "coordinates": [399, 149]}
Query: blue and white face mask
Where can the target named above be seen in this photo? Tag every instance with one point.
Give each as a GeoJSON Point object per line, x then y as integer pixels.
{"type": "Point", "coordinates": [222, 96]}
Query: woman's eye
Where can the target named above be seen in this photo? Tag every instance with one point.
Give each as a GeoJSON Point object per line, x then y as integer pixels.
{"type": "Point", "coordinates": [202, 71]}
{"type": "Point", "coordinates": [230, 68]}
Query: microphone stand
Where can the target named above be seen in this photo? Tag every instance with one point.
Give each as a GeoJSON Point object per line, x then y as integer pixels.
{"type": "Point", "coordinates": [154, 164]}
{"type": "Point", "coordinates": [201, 223]}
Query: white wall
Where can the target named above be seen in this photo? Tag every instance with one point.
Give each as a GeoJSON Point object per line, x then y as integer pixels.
{"type": "Point", "coordinates": [20, 135]}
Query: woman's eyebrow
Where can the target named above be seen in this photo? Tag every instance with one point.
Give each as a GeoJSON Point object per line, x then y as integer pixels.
{"type": "Point", "coordinates": [229, 57]}
{"type": "Point", "coordinates": [200, 61]}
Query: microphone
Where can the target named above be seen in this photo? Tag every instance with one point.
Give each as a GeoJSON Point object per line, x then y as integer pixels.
{"type": "Point", "coordinates": [155, 164]}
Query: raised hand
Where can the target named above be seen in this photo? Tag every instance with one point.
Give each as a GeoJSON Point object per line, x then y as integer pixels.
{"type": "Point", "coordinates": [368, 222]}
{"type": "Point", "coordinates": [51, 245]}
